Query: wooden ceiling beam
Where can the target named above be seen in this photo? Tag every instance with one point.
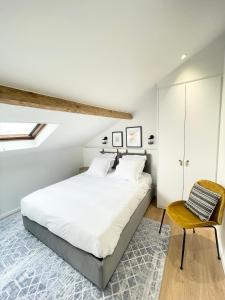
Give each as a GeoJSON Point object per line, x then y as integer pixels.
{"type": "Point", "coordinates": [18, 97]}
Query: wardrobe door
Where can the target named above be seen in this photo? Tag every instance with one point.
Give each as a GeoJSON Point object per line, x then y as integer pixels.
{"type": "Point", "coordinates": [171, 145]}
{"type": "Point", "coordinates": [201, 131]}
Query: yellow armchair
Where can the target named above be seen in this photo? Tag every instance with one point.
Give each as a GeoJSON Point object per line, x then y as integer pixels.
{"type": "Point", "coordinates": [185, 219]}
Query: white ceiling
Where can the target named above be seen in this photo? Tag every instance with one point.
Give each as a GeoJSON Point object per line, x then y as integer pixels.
{"type": "Point", "coordinates": [106, 53]}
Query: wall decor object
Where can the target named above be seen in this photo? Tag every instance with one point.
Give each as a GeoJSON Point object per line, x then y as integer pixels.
{"type": "Point", "coordinates": [117, 138]}
{"type": "Point", "coordinates": [134, 136]}
{"type": "Point", "coordinates": [151, 139]}
{"type": "Point", "coordinates": [105, 140]}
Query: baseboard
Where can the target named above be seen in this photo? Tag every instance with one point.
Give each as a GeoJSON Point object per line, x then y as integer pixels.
{"type": "Point", "coordinates": [2, 216]}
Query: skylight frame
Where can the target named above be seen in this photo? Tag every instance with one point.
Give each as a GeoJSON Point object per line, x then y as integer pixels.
{"type": "Point", "coordinates": [24, 137]}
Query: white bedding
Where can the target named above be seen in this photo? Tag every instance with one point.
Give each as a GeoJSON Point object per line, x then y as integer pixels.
{"type": "Point", "coordinates": [88, 212]}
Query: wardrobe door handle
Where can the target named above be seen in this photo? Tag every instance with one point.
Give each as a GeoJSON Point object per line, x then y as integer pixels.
{"type": "Point", "coordinates": [187, 163]}
{"type": "Point", "coordinates": [181, 162]}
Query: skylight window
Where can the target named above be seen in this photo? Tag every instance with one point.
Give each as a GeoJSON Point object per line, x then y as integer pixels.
{"type": "Point", "coordinates": [19, 131]}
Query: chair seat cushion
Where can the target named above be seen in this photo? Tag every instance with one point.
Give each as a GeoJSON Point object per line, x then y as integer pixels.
{"type": "Point", "coordinates": [184, 218]}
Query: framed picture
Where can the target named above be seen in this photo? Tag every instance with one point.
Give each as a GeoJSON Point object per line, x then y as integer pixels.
{"type": "Point", "coordinates": [117, 139]}
{"type": "Point", "coordinates": [134, 136]}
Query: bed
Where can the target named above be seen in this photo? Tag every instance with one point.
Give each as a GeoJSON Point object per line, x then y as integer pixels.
{"type": "Point", "coordinates": [91, 222]}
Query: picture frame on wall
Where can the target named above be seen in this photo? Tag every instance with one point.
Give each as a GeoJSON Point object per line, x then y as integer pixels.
{"type": "Point", "coordinates": [117, 138]}
{"type": "Point", "coordinates": [134, 137]}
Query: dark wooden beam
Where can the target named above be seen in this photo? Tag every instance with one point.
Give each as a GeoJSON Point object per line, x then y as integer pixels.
{"type": "Point", "coordinates": [18, 97]}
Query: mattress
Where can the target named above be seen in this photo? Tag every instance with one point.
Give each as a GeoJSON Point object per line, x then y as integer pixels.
{"type": "Point", "coordinates": [88, 212]}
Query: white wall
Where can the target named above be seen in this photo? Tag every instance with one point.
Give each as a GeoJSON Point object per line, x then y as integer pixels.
{"type": "Point", "coordinates": [221, 171]}
{"type": "Point", "coordinates": [208, 62]}
{"type": "Point", "coordinates": [21, 174]}
{"type": "Point", "coordinates": [146, 117]}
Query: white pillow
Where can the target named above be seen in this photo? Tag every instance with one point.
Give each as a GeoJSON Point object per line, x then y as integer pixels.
{"type": "Point", "coordinates": [136, 157]}
{"type": "Point", "coordinates": [111, 156]}
{"type": "Point", "coordinates": [99, 167]}
{"type": "Point", "coordinates": [129, 169]}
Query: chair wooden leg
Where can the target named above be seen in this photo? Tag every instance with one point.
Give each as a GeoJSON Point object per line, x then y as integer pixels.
{"type": "Point", "coordinates": [183, 247]}
{"type": "Point", "coordinates": [193, 230]}
{"type": "Point", "coordinates": [217, 243]}
{"type": "Point", "coordinates": [160, 228]}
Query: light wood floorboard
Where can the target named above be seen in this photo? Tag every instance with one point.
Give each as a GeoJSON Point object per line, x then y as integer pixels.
{"type": "Point", "coordinates": [203, 276]}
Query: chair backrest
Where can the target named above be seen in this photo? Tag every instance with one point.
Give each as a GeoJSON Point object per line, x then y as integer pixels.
{"type": "Point", "coordinates": [217, 215]}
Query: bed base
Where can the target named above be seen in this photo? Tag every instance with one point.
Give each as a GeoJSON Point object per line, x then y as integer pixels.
{"type": "Point", "coordinates": [98, 271]}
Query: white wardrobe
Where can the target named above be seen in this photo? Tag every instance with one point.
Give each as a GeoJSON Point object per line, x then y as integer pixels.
{"type": "Point", "coordinates": [189, 116]}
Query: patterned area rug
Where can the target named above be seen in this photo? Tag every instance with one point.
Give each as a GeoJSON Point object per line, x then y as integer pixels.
{"type": "Point", "coordinates": [30, 270]}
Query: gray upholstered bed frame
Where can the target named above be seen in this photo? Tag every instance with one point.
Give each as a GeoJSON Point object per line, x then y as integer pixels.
{"type": "Point", "coordinates": [98, 271]}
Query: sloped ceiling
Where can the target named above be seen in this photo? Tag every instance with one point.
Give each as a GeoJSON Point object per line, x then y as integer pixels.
{"type": "Point", "coordinates": [105, 53]}
{"type": "Point", "coordinates": [73, 130]}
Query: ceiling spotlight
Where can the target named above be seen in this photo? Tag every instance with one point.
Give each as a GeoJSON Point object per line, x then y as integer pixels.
{"type": "Point", "coordinates": [183, 56]}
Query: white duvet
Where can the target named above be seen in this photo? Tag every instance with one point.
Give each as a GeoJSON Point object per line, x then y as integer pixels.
{"type": "Point", "coordinates": [88, 212]}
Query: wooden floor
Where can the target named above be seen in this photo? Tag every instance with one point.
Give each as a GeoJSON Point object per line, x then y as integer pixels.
{"type": "Point", "coordinates": [202, 276]}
